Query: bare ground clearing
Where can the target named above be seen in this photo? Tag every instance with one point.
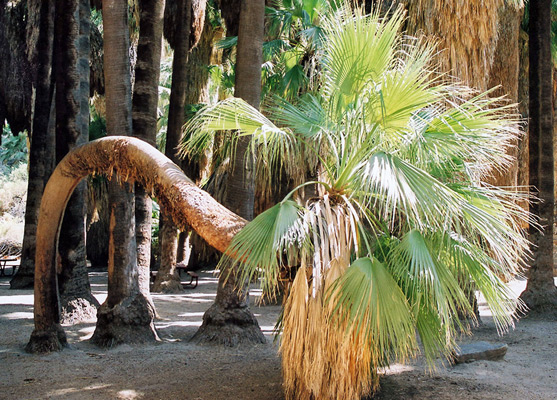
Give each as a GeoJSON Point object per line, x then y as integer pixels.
{"type": "Point", "coordinates": [178, 369]}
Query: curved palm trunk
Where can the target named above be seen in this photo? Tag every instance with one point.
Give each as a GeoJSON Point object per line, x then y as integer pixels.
{"type": "Point", "coordinates": [134, 161]}
{"type": "Point", "coordinates": [229, 320]}
{"type": "Point", "coordinates": [71, 52]}
{"type": "Point", "coordinates": [41, 157]}
{"type": "Point", "coordinates": [144, 116]}
{"type": "Point", "coordinates": [541, 294]}
{"type": "Point", "coordinates": [126, 315]}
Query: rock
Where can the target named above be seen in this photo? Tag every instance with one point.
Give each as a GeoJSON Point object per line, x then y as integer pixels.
{"type": "Point", "coordinates": [475, 351]}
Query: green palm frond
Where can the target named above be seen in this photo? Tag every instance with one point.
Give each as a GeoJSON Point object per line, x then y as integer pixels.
{"type": "Point", "coordinates": [273, 239]}
{"type": "Point", "coordinates": [368, 300]}
{"type": "Point", "coordinates": [358, 53]}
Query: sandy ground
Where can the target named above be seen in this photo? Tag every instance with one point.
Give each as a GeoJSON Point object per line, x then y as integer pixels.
{"type": "Point", "coordinates": [178, 369]}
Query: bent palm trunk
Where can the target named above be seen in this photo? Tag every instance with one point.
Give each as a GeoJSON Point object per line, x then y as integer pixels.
{"type": "Point", "coordinates": [133, 161]}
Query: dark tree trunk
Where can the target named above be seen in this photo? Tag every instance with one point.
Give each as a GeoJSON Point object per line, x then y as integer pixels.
{"type": "Point", "coordinates": [126, 315]}
{"type": "Point", "coordinates": [193, 250]}
{"type": "Point", "coordinates": [229, 320]}
{"type": "Point", "coordinates": [71, 66]}
{"type": "Point", "coordinates": [41, 155]}
{"type": "Point", "coordinates": [16, 78]}
{"type": "Point", "coordinates": [188, 17]}
{"type": "Point", "coordinates": [541, 294]}
{"type": "Point", "coordinates": [144, 115]}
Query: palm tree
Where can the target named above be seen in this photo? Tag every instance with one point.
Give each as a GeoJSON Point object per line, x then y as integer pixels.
{"type": "Point", "coordinates": [188, 18]}
{"type": "Point", "coordinates": [402, 223]}
{"type": "Point", "coordinates": [229, 320]}
{"type": "Point", "coordinates": [125, 316]}
{"type": "Point", "coordinates": [71, 66]}
{"type": "Point", "coordinates": [144, 119]}
{"type": "Point", "coordinates": [41, 154]}
{"type": "Point", "coordinates": [541, 294]}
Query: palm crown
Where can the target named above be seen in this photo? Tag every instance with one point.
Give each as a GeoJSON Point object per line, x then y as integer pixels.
{"type": "Point", "coordinates": [403, 225]}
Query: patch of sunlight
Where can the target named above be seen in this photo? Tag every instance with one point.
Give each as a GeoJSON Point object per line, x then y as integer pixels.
{"type": "Point", "coordinates": [191, 314]}
{"type": "Point", "coordinates": [67, 391]}
{"type": "Point", "coordinates": [17, 315]}
{"type": "Point", "coordinates": [178, 323]}
{"type": "Point", "coordinates": [267, 329]}
{"type": "Point", "coordinates": [87, 332]}
{"type": "Point", "coordinates": [23, 299]}
{"type": "Point", "coordinates": [129, 394]}
{"type": "Point", "coordinates": [396, 369]}
{"type": "Point", "coordinates": [199, 295]}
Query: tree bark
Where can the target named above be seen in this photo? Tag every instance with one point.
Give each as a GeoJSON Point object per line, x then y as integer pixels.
{"type": "Point", "coordinates": [229, 320]}
{"type": "Point", "coordinates": [41, 154]}
{"type": "Point", "coordinates": [144, 116]}
{"type": "Point", "coordinates": [504, 73]}
{"type": "Point", "coordinates": [71, 66]}
{"type": "Point", "coordinates": [541, 294]}
{"type": "Point", "coordinates": [126, 315]}
{"type": "Point", "coordinates": [185, 34]}
{"type": "Point", "coordinates": [133, 160]}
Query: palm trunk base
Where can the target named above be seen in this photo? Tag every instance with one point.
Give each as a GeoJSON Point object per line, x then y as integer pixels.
{"type": "Point", "coordinates": [46, 341]}
{"type": "Point", "coordinates": [229, 327]}
{"type": "Point", "coordinates": [130, 321]}
{"type": "Point", "coordinates": [540, 302]}
{"type": "Point", "coordinates": [167, 283]}
{"type": "Point", "coordinates": [78, 309]}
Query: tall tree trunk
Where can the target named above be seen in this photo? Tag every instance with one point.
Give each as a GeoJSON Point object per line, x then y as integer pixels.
{"type": "Point", "coordinates": [188, 13]}
{"type": "Point", "coordinates": [41, 155]}
{"type": "Point", "coordinates": [71, 66]}
{"type": "Point", "coordinates": [135, 160]}
{"type": "Point", "coordinates": [541, 294]}
{"type": "Point", "coordinates": [504, 73]}
{"type": "Point", "coordinates": [125, 316]}
{"type": "Point", "coordinates": [191, 248]}
{"type": "Point", "coordinates": [229, 320]}
{"type": "Point", "coordinates": [144, 115]}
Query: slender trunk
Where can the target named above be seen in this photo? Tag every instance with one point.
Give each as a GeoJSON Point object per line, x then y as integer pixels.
{"type": "Point", "coordinates": [126, 315]}
{"type": "Point", "coordinates": [191, 248]}
{"type": "Point", "coordinates": [229, 320]}
{"type": "Point", "coordinates": [541, 294]}
{"type": "Point", "coordinates": [167, 279]}
{"type": "Point", "coordinates": [71, 60]}
{"type": "Point", "coordinates": [144, 115]}
{"type": "Point", "coordinates": [41, 155]}
{"type": "Point", "coordinates": [135, 160]}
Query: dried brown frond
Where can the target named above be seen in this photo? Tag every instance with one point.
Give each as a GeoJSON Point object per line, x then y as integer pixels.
{"type": "Point", "coordinates": [467, 34]}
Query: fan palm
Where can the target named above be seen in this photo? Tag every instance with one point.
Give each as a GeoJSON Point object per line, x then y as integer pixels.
{"type": "Point", "coordinates": [402, 224]}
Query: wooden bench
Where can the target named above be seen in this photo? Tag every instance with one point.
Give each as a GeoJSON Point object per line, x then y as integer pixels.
{"type": "Point", "coordinates": [3, 264]}
{"type": "Point", "coordinates": [194, 278]}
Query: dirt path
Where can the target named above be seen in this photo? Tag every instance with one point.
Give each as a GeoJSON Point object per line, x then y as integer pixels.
{"type": "Point", "coordinates": [178, 369]}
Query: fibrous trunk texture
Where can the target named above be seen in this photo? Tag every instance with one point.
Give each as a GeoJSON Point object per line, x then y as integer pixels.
{"type": "Point", "coordinates": [229, 320]}
{"type": "Point", "coordinates": [15, 68]}
{"type": "Point", "coordinates": [188, 18]}
{"type": "Point", "coordinates": [134, 161]}
{"type": "Point", "coordinates": [124, 292]}
{"type": "Point", "coordinates": [71, 65]}
{"type": "Point", "coordinates": [541, 294]}
{"type": "Point", "coordinates": [41, 155]}
{"type": "Point", "coordinates": [144, 116]}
